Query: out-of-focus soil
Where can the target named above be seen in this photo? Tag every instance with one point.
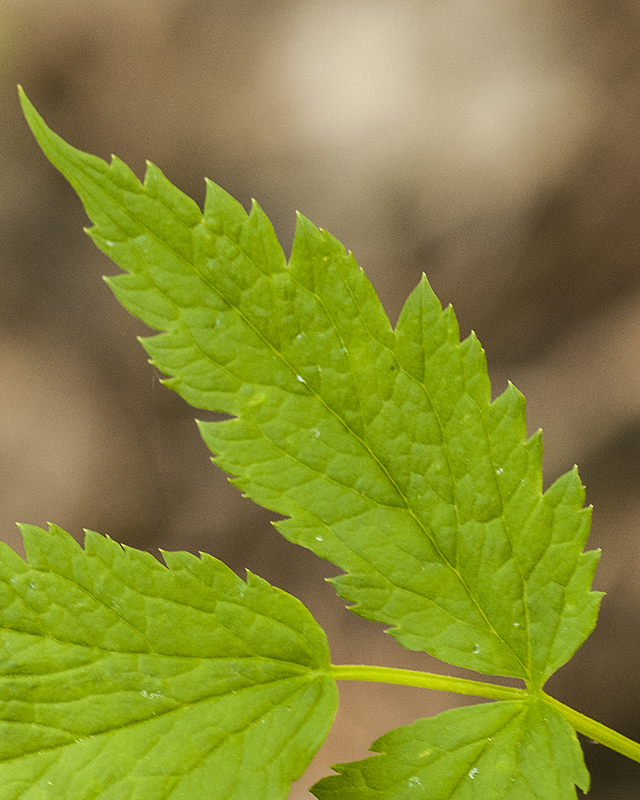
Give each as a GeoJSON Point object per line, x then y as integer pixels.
{"type": "Point", "coordinates": [493, 145]}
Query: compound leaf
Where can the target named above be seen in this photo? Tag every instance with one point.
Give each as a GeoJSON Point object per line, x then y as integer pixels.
{"type": "Point", "coordinates": [383, 448]}
{"type": "Point", "coordinates": [509, 750]}
{"type": "Point", "coordinates": [122, 678]}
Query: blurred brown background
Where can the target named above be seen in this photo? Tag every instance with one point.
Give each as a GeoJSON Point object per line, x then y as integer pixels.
{"type": "Point", "coordinates": [493, 144]}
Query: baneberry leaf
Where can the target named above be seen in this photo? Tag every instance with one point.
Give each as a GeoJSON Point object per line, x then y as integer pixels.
{"type": "Point", "coordinates": [506, 750]}
{"type": "Point", "coordinates": [120, 678]}
{"type": "Point", "coordinates": [382, 447]}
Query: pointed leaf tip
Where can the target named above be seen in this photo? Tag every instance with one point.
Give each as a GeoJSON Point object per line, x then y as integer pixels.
{"type": "Point", "coordinates": [383, 448]}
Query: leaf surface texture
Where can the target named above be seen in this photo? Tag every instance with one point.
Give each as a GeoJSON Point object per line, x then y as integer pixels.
{"type": "Point", "coordinates": [120, 678]}
{"type": "Point", "coordinates": [499, 751]}
{"type": "Point", "coordinates": [382, 447]}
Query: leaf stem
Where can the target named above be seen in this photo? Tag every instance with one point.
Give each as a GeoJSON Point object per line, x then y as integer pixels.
{"type": "Point", "coordinates": [425, 680]}
{"type": "Point", "coordinates": [446, 683]}
{"type": "Point", "coordinates": [596, 730]}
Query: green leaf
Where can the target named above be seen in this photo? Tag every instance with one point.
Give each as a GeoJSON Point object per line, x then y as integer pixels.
{"type": "Point", "coordinates": [382, 447]}
{"type": "Point", "coordinates": [508, 750]}
{"type": "Point", "coordinates": [120, 678]}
